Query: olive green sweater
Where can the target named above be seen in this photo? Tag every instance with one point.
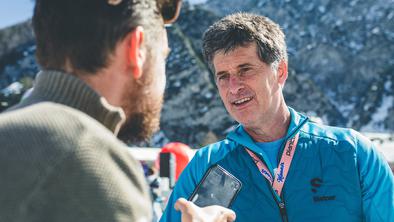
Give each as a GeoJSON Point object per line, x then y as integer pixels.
{"type": "Point", "coordinates": [60, 160]}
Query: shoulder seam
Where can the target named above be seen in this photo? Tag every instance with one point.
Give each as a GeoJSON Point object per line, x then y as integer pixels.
{"type": "Point", "coordinates": [320, 136]}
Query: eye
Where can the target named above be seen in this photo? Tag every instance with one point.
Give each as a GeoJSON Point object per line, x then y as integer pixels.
{"type": "Point", "coordinates": [244, 70]}
{"type": "Point", "coordinates": [222, 77]}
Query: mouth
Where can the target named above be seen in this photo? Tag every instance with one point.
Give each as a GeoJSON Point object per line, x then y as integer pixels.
{"type": "Point", "coordinates": [242, 102]}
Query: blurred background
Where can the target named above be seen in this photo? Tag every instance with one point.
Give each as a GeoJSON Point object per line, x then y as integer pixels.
{"type": "Point", "coordinates": [341, 65]}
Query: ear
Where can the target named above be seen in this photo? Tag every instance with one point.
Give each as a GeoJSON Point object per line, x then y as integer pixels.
{"type": "Point", "coordinates": [136, 53]}
{"type": "Point", "coordinates": [282, 72]}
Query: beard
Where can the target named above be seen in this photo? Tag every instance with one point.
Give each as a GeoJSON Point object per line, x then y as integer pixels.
{"type": "Point", "coordinates": [142, 108]}
{"type": "Point", "coordinates": [141, 125]}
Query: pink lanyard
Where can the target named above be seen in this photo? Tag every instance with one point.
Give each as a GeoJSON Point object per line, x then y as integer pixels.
{"type": "Point", "coordinates": [283, 167]}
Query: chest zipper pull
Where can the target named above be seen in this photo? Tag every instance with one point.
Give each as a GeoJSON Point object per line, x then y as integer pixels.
{"type": "Point", "coordinates": [283, 213]}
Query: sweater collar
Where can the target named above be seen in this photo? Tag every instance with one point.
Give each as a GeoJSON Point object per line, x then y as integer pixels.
{"type": "Point", "coordinates": [69, 90]}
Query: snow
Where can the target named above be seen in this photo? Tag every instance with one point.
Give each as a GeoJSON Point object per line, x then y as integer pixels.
{"type": "Point", "coordinates": [384, 143]}
{"type": "Point", "coordinates": [14, 88]}
{"type": "Point", "coordinates": [375, 30]}
{"type": "Point", "coordinates": [376, 123]}
{"type": "Point", "coordinates": [322, 9]}
{"type": "Point", "coordinates": [346, 109]}
{"type": "Point", "coordinates": [386, 148]}
{"type": "Point", "coordinates": [388, 85]}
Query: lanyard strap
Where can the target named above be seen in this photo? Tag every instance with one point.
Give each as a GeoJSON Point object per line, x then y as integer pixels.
{"type": "Point", "coordinates": [283, 168]}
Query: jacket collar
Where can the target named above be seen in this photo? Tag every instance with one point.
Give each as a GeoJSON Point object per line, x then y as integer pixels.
{"type": "Point", "coordinates": [240, 136]}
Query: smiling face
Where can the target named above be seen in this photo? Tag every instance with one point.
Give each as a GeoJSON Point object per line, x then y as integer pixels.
{"type": "Point", "coordinates": [250, 89]}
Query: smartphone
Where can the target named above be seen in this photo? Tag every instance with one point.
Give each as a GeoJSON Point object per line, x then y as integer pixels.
{"type": "Point", "coordinates": [217, 187]}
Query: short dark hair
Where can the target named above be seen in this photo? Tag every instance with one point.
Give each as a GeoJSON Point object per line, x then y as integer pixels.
{"type": "Point", "coordinates": [241, 29]}
{"type": "Point", "coordinates": [84, 33]}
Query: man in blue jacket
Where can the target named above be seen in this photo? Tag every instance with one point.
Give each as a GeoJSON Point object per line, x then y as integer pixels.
{"type": "Point", "coordinates": [291, 169]}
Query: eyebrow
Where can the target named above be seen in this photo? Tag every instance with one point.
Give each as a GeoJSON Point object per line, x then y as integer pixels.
{"type": "Point", "coordinates": [221, 73]}
{"type": "Point", "coordinates": [243, 65]}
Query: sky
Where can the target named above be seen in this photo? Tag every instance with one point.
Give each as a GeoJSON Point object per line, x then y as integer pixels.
{"type": "Point", "coordinates": [15, 11]}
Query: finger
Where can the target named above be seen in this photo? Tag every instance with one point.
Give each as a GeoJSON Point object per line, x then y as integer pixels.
{"type": "Point", "coordinates": [230, 216]}
{"type": "Point", "coordinates": [227, 215]}
{"type": "Point", "coordinates": [181, 204]}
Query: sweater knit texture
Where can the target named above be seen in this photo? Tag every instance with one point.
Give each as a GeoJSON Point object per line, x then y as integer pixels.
{"type": "Point", "coordinates": [60, 160]}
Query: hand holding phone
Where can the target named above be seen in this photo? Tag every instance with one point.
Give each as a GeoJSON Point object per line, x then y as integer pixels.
{"type": "Point", "coordinates": [191, 212]}
{"type": "Point", "coordinates": [218, 187]}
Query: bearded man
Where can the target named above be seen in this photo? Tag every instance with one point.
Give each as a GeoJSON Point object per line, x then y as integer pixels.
{"type": "Point", "coordinates": [103, 64]}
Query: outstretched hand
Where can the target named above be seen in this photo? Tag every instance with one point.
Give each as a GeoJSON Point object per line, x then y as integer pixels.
{"type": "Point", "coordinates": [192, 213]}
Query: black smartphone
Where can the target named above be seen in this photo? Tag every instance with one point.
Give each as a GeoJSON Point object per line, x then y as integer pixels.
{"type": "Point", "coordinates": [217, 187]}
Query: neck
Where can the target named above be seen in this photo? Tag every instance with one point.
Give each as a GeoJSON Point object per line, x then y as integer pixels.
{"type": "Point", "coordinates": [107, 84]}
{"type": "Point", "coordinates": [272, 130]}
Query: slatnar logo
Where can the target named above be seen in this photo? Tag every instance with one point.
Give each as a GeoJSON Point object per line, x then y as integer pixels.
{"type": "Point", "coordinates": [316, 183]}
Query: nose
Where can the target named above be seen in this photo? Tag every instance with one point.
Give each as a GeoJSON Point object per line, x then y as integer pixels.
{"type": "Point", "coordinates": [235, 84]}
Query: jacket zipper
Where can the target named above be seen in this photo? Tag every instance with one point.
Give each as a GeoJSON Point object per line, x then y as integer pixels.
{"type": "Point", "coordinates": [281, 205]}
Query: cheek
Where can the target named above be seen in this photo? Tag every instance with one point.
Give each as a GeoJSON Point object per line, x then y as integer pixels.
{"type": "Point", "coordinates": [160, 80]}
{"type": "Point", "coordinates": [162, 85]}
{"type": "Point", "coordinates": [222, 94]}
{"type": "Point", "coordinates": [163, 78]}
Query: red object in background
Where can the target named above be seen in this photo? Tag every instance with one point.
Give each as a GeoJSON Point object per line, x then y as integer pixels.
{"type": "Point", "coordinates": [181, 152]}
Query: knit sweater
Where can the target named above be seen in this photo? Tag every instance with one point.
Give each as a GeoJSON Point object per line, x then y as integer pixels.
{"type": "Point", "coordinates": [60, 160]}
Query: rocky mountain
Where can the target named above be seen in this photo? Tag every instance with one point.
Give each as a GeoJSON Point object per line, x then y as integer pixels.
{"type": "Point", "coordinates": [341, 60]}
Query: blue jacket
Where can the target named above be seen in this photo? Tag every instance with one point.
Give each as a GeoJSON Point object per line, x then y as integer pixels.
{"type": "Point", "coordinates": [336, 175]}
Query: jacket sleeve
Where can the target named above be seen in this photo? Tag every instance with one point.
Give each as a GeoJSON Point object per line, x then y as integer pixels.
{"type": "Point", "coordinates": [185, 186]}
{"type": "Point", "coordinates": [377, 183]}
